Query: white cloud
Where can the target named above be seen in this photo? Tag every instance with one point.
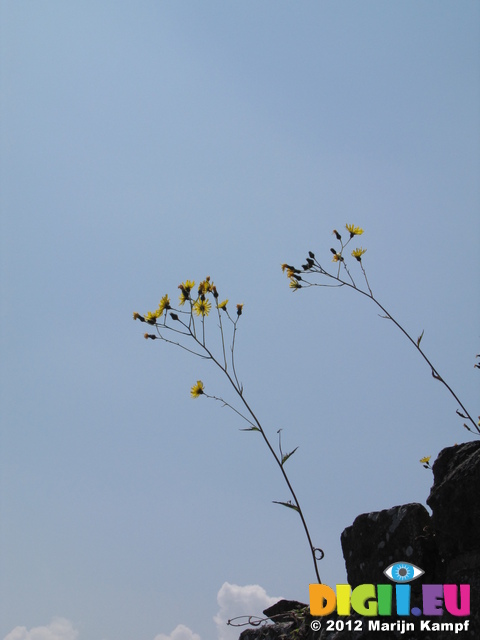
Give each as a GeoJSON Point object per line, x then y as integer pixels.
{"type": "Point", "coordinates": [181, 632]}
{"type": "Point", "coordinates": [234, 601]}
{"type": "Point", "coordinates": [58, 629]}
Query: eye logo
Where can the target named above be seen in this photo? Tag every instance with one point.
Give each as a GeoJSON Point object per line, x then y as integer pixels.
{"type": "Point", "coordinates": [403, 572]}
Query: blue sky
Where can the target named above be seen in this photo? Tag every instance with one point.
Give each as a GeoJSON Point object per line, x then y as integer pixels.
{"type": "Point", "coordinates": [146, 143]}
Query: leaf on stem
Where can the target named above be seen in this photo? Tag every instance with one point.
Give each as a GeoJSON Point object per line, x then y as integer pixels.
{"type": "Point", "coordinates": [419, 339]}
{"type": "Point", "coordinates": [287, 504]}
{"type": "Point", "coordinates": [251, 429]}
{"type": "Point", "coordinates": [287, 456]}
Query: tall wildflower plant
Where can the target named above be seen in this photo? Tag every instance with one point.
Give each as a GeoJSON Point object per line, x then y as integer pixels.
{"type": "Point", "coordinates": [314, 274]}
{"type": "Point", "coordinates": [185, 326]}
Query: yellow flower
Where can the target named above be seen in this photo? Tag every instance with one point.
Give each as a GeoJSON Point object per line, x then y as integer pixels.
{"type": "Point", "coordinates": [294, 284]}
{"type": "Point", "coordinates": [425, 460]}
{"type": "Point", "coordinates": [337, 258]}
{"type": "Point", "coordinates": [185, 288]}
{"type": "Point", "coordinates": [197, 389]}
{"type": "Point", "coordinates": [163, 304]}
{"type": "Point", "coordinates": [354, 231]}
{"type": "Point", "coordinates": [205, 286]}
{"type": "Point", "coordinates": [188, 285]}
{"type": "Point", "coordinates": [289, 269]}
{"type": "Point", "coordinates": [358, 253]}
{"type": "Point", "coordinates": [202, 307]}
{"type": "Point", "coordinates": [151, 317]}
{"type": "Point", "coordinates": [223, 305]}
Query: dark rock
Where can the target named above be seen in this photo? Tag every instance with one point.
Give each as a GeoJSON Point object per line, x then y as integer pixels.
{"type": "Point", "coordinates": [446, 546]}
{"type": "Point", "coordinates": [455, 499]}
{"type": "Point", "coordinates": [282, 610]}
{"type": "Point", "coordinates": [376, 540]}
{"type": "Point", "coordinates": [277, 631]}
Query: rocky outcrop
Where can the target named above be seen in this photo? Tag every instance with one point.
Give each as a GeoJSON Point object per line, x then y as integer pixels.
{"type": "Point", "coordinates": [446, 545]}
{"type": "Point", "coordinates": [376, 540]}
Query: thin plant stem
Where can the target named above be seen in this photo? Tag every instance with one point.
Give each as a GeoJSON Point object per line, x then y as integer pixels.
{"type": "Point", "coordinates": [319, 269]}
{"type": "Point", "coordinates": [272, 451]}
{"type": "Point", "coordinates": [206, 354]}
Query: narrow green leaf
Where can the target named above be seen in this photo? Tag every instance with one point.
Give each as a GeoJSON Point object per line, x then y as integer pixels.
{"type": "Point", "coordinates": [419, 339]}
{"type": "Point", "coordinates": [286, 504]}
{"type": "Point", "coordinates": [287, 456]}
{"type": "Point", "coordinates": [251, 429]}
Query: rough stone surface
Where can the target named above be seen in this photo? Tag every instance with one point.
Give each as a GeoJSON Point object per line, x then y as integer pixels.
{"type": "Point", "coordinates": [284, 610]}
{"type": "Point", "coordinates": [454, 499]}
{"type": "Point", "coordinates": [376, 540]}
{"type": "Point", "coordinates": [445, 545]}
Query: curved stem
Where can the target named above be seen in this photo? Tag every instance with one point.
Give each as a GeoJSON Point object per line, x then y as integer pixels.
{"type": "Point", "coordinates": [389, 316]}
{"type": "Point", "coordinates": [272, 451]}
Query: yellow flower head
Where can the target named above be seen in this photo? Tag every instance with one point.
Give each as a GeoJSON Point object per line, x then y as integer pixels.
{"type": "Point", "coordinates": [358, 253]}
{"type": "Point", "coordinates": [294, 284]}
{"type": "Point", "coordinates": [205, 286]}
{"type": "Point", "coordinates": [188, 285]}
{"type": "Point", "coordinates": [202, 307]}
{"type": "Point", "coordinates": [151, 317]}
{"type": "Point", "coordinates": [185, 289]}
{"type": "Point", "coordinates": [197, 389]}
{"type": "Point", "coordinates": [337, 258]}
{"type": "Point", "coordinates": [354, 231]}
{"type": "Point", "coordinates": [223, 305]}
{"type": "Point", "coordinates": [425, 460]}
{"type": "Point", "coordinates": [289, 269]}
{"type": "Point", "coordinates": [163, 304]}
